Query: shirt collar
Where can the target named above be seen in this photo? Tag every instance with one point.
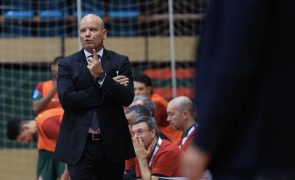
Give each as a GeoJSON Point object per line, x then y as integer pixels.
{"type": "Point", "coordinates": [186, 132]}
{"type": "Point", "coordinates": [87, 54]}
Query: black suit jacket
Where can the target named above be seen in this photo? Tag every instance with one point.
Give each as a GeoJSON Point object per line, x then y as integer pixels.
{"type": "Point", "coordinates": [246, 87]}
{"type": "Point", "coordinates": [82, 97]}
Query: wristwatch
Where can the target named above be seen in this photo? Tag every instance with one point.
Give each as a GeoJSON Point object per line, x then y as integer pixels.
{"type": "Point", "coordinates": [101, 77]}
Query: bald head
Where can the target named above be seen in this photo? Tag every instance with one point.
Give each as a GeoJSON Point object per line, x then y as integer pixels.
{"type": "Point", "coordinates": [94, 18]}
{"type": "Point", "coordinates": [180, 112]}
{"type": "Point", "coordinates": [92, 32]}
{"type": "Point", "coordinates": [183, 103]}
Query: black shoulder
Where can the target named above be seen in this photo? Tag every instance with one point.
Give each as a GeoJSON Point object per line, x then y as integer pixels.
{"type": "Point", "coordinates": [115, 55]}
{"type": "Point", "coordinates": [72, 57]}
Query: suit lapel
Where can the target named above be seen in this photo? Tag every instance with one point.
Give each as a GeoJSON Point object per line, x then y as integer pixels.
{"type": "Point", "coordinates": [82, 63]}
{"type": "Point", "coordinates": [106, 61]}
{"type": "Point", "coordinates": [81, 58]}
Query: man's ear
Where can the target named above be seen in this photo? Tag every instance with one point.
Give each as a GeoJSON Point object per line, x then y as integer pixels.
{"type": "Point", "coordinates": [185, 114]}
{"type": "Point", "coordinates": [149, 89]}
{"type": "Point", "coordinates": [154, 132]}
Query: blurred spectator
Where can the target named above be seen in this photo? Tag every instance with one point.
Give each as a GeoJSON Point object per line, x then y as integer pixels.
{"type": "Point", "coordinates": [156, 156]}
{"type": "Point", "coordinates": [46, 128]}
{"type": "Point", "coordinates": [143, 86]}
{"type": "Point", "coordinates": [45, 98]}
{"type": "Point", "coordinates": [45, 93]}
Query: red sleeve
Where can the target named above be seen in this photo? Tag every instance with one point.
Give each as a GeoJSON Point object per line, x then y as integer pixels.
{"type": "Point", "coordinates": [51, 127]}
{"type": "Point", "coordinates": [39, 86]}
{"type": "Point", "coordinates": [137, 169]}
{"type": "Point", "coordinates": [188, 142]}
{"type": "Point", "coordinates": [168, 163]}
{"type": "Point", "coordinates": [37, 93]}
{"type": "Point", "coordinates": [129, 164]}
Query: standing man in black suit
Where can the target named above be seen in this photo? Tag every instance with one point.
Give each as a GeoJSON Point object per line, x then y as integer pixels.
{"type": "Point", "coordinates": [94, 138]}
{"type": "Point", "coordinates": [246, 92]}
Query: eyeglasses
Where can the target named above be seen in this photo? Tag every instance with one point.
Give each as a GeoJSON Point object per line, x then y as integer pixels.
{"type": "Point", "coordinates": [139, 132]}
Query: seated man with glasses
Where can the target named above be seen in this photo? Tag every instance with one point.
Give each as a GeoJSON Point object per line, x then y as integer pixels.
{"type": "Point", "coordinates": [156, 157]}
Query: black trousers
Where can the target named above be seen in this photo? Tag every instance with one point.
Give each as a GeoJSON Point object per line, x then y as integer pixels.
{"type": "Point", "coordinates": [94, 164]}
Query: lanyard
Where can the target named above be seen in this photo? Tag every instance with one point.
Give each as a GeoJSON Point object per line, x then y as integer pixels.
{"type": "Point", "coordinates": [156, 149]}
{"type": "Point", "coordinates": [192, 129]}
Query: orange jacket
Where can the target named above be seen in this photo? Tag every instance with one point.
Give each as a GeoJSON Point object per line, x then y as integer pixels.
{"type": "Point", "coordinates": [44, 88]}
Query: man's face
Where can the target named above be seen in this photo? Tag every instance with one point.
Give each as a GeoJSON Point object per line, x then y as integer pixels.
{"type": "Point", "coordinates": [141, 89]}
{"type": "Point", "coordinates": [175, 116]}
{"type": "Point", "coordinates": [25, 135]}
{"type": "Point", "coordinates": [92, 33]}
{"type": "Point", "coordinates": [142, 131]}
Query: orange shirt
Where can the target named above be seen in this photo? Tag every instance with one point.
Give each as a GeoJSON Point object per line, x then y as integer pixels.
{"type": "Point", "coordinates": [161, 109]}
{"type": "Point", "coordinates": [42, 89]}
{"type": "Point", "coordinates": [46, 142]}
{"type": "Point", "coordinates": [172, 134]}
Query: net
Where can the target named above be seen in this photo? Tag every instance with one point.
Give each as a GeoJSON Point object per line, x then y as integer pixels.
{"type": "Point", "coordinates": [34, 32]}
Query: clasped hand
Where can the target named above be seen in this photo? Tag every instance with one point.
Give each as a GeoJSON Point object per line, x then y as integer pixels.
{"type": "Point", "coordinates": [123, 80]}
{"type": "Point", "coordinates": [94, 65]}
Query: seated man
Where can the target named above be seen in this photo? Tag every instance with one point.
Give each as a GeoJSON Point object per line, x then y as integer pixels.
{"type": "Point", "coordinates": [180, 112]}
{"type": "Point", "coordinates": [46, 128]}
{"type": "Point", "coordinates": [131, 113]}
{"type": "Point", "coordinates": [156, 156]}
{"type": "Point", "coordinates": [181, 115]}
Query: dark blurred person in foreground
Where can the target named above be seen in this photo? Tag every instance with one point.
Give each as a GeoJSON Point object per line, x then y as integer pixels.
{"type": "Point", "coordinates": [245, 87]}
